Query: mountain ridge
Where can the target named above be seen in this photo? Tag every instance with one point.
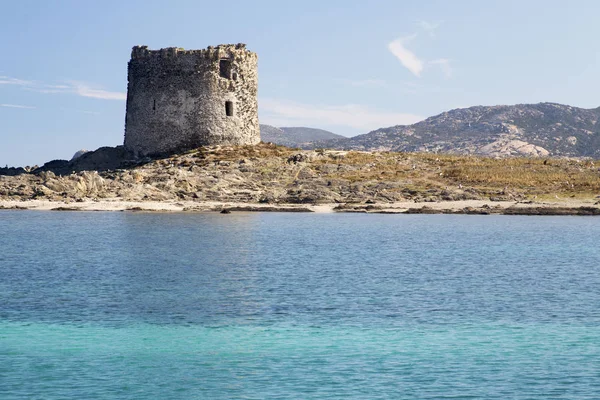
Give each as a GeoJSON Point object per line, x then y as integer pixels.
{"type": "Point", "coordinates": [533, 130]}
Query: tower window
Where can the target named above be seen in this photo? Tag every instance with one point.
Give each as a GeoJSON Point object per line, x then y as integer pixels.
{"type": "Point", "coordinates": [229, 108]}
{"type": "Point", "coordinates": [225, 68]}
{"type": "Point", "coordinates": [154, 106]}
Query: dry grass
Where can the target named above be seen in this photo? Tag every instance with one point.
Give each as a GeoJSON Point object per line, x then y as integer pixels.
{"type": "Point", "coordinates": [575, 178]}
{"type": "Point", "coordinates": [235, 153]}
{"type": "Point", "coordinates": [421, 171]}
{"type": "Point", "coordinates": [530, 175]}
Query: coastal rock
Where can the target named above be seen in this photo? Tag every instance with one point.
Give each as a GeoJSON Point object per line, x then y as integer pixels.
{"type": "Point", "coordinates": [264, 174]}
{"type": "Point", "coordinates": [12, 171]}
{"type": "Point", "coordinates": [551, 211]}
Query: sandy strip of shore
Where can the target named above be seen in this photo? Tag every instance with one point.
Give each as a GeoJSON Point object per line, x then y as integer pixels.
{"type": "Point", "coordinates": [191, 206]}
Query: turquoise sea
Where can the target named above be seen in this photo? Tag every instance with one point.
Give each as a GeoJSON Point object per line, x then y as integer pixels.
{"type": "Point", "coordinates": [298, 306]}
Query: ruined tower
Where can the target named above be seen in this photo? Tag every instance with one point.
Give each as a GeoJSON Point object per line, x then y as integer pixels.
{"type": "Point", "coordinates": [181, 99]}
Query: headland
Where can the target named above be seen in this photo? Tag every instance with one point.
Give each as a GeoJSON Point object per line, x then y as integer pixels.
{"type": "Point", "coordinates": [267, 177]}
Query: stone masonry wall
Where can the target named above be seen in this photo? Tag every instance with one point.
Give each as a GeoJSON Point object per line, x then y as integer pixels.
{"type": "Point", "coordinates": [180, 99]}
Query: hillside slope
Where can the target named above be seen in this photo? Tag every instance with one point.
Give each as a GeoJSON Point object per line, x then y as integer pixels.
{"type": "Point", "coordinates": [295, 136]}
{"type": "Point", "coordinates": [537, 130]}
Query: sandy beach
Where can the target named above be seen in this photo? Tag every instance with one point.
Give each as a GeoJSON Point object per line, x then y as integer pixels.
{"type": "Point", "coordinates": [566, 207]}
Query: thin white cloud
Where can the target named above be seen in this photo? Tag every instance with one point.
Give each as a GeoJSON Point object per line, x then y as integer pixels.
{"type": "Point", "coordinates": [444, 64]}
{"type": "Point", "coordinates": [50, 88]}
{"type": "Point", "coordinates": [7, 80]}
{"type": "Point", "coordinates": [17, 106]}
{"type": "Point", "coordinates": [85, 90]}
{"type": "Point", "coordinates": [45, 91]}
{"type": "Point", "coordinates": [406, 57]}
{"type": "Point", "coordinates": [71, 87]}
{"type": "Point", "coordinates": [287, 113]}
{"type": "Point", "coordinates": [58, 87]}
{"type": "Point", "coordinates": [428, 27]}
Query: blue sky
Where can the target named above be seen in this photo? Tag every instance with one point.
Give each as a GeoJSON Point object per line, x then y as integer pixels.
{"type": "Point", "coordinates": [347, 66]}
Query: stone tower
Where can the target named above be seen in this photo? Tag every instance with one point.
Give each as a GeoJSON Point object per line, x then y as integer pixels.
{"type": "Point", "coordinates": [181, 99]}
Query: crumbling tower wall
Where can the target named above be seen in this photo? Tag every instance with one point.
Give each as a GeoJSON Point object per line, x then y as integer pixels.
{"type": "Point", "coordinates": [181, 99]}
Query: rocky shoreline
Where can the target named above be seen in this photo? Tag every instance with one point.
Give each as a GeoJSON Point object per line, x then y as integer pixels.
{"type": "Point", "coordinates": [467, 207]}
{"type": "Point", "coordinates": [267, 177]}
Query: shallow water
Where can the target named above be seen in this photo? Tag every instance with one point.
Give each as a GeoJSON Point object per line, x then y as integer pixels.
{"type": "Point", "coordinates": [210, 306]}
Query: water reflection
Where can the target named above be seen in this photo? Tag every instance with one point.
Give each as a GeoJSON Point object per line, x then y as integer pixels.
{"type": "Point", "coordinates": [247, 268]}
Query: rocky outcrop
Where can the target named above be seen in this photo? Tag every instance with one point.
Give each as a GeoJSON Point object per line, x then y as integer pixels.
{"type": "Point", "coordinates": [271, 174]}
{"type": "Point", "coordinates": [12, 171]}
{"type": "Point", "coordinates": [78, 154]}
{"type": "Point", "coordinates": [103, 159]}
{"type": "Point", "coordinates": [506, 147]}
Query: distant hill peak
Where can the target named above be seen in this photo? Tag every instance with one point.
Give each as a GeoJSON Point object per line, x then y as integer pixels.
{"type": "Point", "coordinates": [296, 136]}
